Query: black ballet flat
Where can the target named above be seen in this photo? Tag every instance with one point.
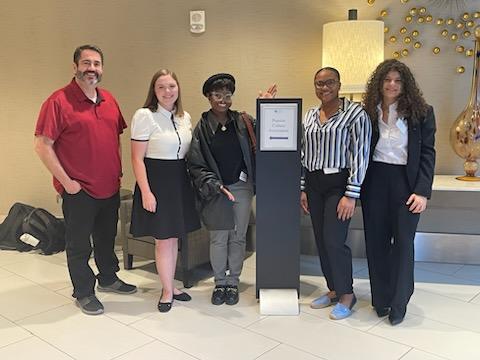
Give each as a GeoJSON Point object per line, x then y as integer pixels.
{"type": "Point", "coordinates": [164, 307]}
{"type": "Point", "coordinates": [182, 297]}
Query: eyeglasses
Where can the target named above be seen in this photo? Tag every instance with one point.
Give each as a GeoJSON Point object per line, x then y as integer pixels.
{"type": "Point", "coordinates": [221, 96]}
{"type": "Point", "coordinates": [328, 83]}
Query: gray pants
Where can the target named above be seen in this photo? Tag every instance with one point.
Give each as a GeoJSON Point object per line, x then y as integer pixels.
{"type": "Point", "coordinates": [227, 247]}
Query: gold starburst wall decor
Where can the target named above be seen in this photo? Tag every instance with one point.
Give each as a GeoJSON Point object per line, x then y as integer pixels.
{"type": "Point", "coordinates": [454, 31]}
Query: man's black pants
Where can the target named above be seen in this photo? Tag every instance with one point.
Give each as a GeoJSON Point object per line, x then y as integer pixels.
{"type": "Point", "coordinates": [89, 220]}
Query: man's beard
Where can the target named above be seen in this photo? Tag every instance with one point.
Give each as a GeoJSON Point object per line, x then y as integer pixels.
{"type": "Point", "coordinates": [83, 76]}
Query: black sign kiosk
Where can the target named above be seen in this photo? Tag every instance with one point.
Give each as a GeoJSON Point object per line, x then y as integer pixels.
{"type": "Point", "coordinates": [278, 205]}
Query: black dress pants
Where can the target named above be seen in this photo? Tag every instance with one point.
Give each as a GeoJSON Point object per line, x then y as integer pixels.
{"type": "Point", "coordinates": [324, 191]}
{"type": "Point", "coordinates": [86, 219]}
{"type": "Point", "coordinates": [389, 234]}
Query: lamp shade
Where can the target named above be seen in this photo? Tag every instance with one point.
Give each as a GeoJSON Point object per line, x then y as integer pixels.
{"type": "Point", "coordinates": [354, 48]}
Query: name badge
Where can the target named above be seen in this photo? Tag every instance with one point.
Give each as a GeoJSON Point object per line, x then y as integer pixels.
{"type": "Point", "coordinates": [243, 176]}
{"type": "Point", "coordinates": [401, 126]}
{"type": "Point", "coordinates": [329, 171]}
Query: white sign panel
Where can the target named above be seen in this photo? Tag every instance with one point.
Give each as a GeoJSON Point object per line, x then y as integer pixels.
{"type": "Point", "coordinates": [278, 126]}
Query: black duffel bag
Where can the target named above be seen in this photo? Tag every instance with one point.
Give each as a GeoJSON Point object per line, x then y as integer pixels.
{"type": "Point", "coordinates": [24, 222]}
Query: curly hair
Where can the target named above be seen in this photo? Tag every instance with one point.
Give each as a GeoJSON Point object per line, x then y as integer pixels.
{"type": "Point", "coordinates": [411, 103]}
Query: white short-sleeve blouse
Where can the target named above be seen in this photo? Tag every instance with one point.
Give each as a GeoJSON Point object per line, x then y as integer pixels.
{"type": "Point", "coordinates": [169, 136]}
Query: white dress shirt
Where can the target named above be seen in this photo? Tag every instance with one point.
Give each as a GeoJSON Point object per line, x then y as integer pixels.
{"type": "Point", "coordinates": [393, 140]}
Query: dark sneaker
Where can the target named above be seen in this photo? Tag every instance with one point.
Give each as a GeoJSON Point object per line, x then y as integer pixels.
{"type": "Point", "coordinates": [231, 295]}
{"type": "Point", "coordinates": [90, 305]}
{"type": "Point", "coordinates": [218, 295]}
{"type": "Point", "coordinates": [118, 287]}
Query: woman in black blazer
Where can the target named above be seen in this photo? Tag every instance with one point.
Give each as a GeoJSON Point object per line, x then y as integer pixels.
{"type": "Point", "coordinates": [397, 184]}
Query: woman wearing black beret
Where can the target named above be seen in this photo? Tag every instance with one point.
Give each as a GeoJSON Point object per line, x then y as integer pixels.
{"type": "Point", "coordinates": [221, 161]}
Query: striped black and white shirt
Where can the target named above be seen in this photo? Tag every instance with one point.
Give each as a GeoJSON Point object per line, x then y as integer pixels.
{"type": "Point", "coordinates": [342, 142]}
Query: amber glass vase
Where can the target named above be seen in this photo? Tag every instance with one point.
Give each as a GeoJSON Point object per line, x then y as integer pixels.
{"type": "Point", "coordinates": [465, 131]}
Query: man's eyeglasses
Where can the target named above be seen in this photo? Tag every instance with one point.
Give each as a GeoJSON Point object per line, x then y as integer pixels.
{"type": "Point", "coordinates": [328, 83]}
{"type": "Point", "coordinates": [221, 96]}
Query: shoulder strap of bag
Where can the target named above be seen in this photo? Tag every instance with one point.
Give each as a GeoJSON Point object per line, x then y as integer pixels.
{"type": "Point", "coordinates": [251, 133]}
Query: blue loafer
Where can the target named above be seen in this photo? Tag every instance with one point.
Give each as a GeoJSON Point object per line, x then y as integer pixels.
{"type": "Point", "coordinates": [323, 301]}
{"type": "Point", "coordinates": [341, 311]}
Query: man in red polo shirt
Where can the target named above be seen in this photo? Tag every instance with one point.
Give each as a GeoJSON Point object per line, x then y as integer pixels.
{"type": "Point", "coordinates": [77, 139]}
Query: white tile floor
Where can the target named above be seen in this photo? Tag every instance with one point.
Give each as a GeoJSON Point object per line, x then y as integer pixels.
{"type": "Point", "coordinates": [38, 319]}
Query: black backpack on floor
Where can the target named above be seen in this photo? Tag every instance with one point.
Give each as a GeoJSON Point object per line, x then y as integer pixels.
{"type": "Point", "coordinates": [39, 223]}
{"type": "Point", "coordinates": [45, 227]}
{"type": "Point", "coordinates": [11, 228]}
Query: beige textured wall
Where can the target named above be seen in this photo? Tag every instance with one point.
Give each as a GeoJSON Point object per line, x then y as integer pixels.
{"type": "Point", "coordinates": [259, 41]}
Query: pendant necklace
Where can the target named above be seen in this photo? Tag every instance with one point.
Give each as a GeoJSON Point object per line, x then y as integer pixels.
{"type": "Point", "coordinates": [223, 128]}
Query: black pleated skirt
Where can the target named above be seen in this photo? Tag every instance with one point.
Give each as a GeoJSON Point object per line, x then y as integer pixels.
{"type": "Point", "coordinates": [176, 214]}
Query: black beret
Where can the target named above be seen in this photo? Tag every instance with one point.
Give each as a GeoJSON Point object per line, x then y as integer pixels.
{"type": "Point", "coordinates": [207, 85]}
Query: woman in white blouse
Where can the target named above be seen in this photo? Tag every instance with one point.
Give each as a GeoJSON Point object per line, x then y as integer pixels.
{"type": "Point", "coordinates": [397, 184]}
{"type": "Point", "coordinates": [163, 201]}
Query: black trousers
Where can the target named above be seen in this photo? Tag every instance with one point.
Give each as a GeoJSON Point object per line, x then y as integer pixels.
{"type": "Point", "coordinates": [389, 234]}
{"type": "Point", "coordinates": [86, 219]}
{"type": "Point", "coordinates": [324, 191]}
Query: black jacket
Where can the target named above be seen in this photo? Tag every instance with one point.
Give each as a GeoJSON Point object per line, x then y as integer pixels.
{"type": "Point", "coordinates": [215, 208]}
{"type": "Point", "coordinates": [421, 153]}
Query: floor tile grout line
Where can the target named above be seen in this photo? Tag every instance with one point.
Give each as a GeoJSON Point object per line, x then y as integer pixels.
{"type": "Point", "coordinates": [267, 351]}
{"type": "Point", "coordinates": [348, 326]}
{"type": "Point", "coordinates": [305, 351]}
{"type": "Point", "coordinates": [443, 295]}
{"type": "Point", "coordinates": [31, 336]}
{"type": "Point", "coordinates": [453, 276]}
{"type": "Point", "coordinates": [55, 347]}
{"type": "Point", "coordinates": [134, 349]}
{"type": "Point", "coordinates": [427, 352]}
{"type": "Point", "coordinates": [39, 313]}
{"type": "Point", "coordinates": [342, 325]}
{"type": "Point", "coordinates": [446, 323]}
{"type": "Point", "coordinates": [436, 321]}
{"type": "Point", "coordinates": [470, 301]}
{"type": "Point", "coordinates": [471, 279]}
{"type": "Point", "coordinates": [39, 284]}
{"type": "Point", "coordinates": [4, 269]}
{"type": "Point", "coordinates": [401, 357]}
{"type": "Point", "coordinates": [439, 272]}
{"type": "Point", "coordinates": [162, 341]}
{"type": "Point", "coordinates": [219, 317]}
{"type": "Point", "coordinates": [386, 338]}
{"type": "Point", "coordinates": [293, 347]}
{"type": "Point", "coordinates": [265, 336]}
{"type": "Point", "coordinates": [473, 298]}
{"type": "Point", "coordinates": [190, 306]}
{"type": "Point", "coordinates": [461, 267]}
{"type": "Point", "coordinates": [226, 321]}
{"type": "Point", "coordinates": [246, 328]}
{"type": "Point", "coordinates": [366, 331]}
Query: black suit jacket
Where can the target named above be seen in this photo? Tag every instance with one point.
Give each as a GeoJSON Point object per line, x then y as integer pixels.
{"type": "Point", "coordinates": [421, 153]}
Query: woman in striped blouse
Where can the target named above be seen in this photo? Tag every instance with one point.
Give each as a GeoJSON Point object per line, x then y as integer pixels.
{"type": "Point", "coordinates": [335, 152]}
